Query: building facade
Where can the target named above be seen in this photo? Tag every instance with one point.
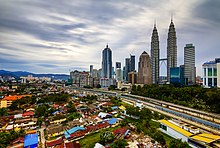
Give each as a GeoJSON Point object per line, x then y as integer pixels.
{"type": "Point", "coordinates": [132, 58]}
{"type": "Point", "coordinates": [127, 68]}
{"type": "Point", "coordinates": [189, 63]}
{"type": "Point", "coordinates": [118, 72]}
{"type": "Point", "coordinates": [107, 63]}
{"type": "Point", "coordinates": [132, 77]}
{"type": "Point", "coordinates": [79, 79]}
{"type": "Point", "coordinates": [155, 56]}
{"type": "Point", "coordinates": [177, 76]}
{"type": "Point", "coordinates": [171, 49]}
{"type": "Point", "coordinates": [211, 73]}
{"type": "Point", "coordinates": [144, 69]}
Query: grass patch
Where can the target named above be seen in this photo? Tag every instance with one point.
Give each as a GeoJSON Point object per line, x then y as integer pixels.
{"type": "Point", "coordinates": [90, 140]}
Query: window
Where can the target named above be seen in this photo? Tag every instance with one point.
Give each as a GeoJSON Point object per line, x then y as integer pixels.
{"type": "Point", "coordinates": [209, 81]}
{"type": "Point", "coordinates": [163, 127]}
{"type": "Point", "coordinates": [215, 81]}
{"type": "Point", "coordinates": [209, 71]}
{"type": "Point", "coordinates": [204, 71]}
{"type": "Point", "coordinates": [215, 71]}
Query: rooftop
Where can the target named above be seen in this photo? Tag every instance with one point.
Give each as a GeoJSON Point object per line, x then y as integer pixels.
{"type": "Point", "coordinates": [30, 139]}
{"type": "Point", "coordinates": [176, 128]}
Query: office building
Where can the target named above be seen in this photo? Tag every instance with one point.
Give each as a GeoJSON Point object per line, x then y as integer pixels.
{"type": "Point", "coordinates": [177, 76]}
{"type": "Point", "coordinates": [144, 69]}
{"type": "Point", "coordinates": [127, 68]}
{"type": "Point", "coordinates": [132, 63]}
{"type": "Point", "coordinates": [171, 49]}
{"type": "Point", "coordinates": [132, 77]}
{"type": "Point", "coordinates": [107, 63]}
{"type": "Point", "coordinates": [118, 72]}
{"type": "Point", "coordinates": [189, 63]}
{"type": "Point", "coordinates": [91, 70]}
{"type": "Point", "coordinates": [155, 56]}
{"type": "Point", "coordinates": [79, 79]}
{"type": "Point", "coordinates": [118, 65]}
{"type": "Point", "coordinates": [211, 73]}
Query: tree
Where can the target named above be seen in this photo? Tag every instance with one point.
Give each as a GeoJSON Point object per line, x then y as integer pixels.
{"type": "Point", "coordinates": [39, 121]}
{"type": "Point", "coordinates": [98, 86]}
{"type": "Point", "coordinates": [177, 143]}
{"type": "Point", "coordinates": [41, 110]}
{"type": "Point", "coordinates": [120, 143]}
{"type": "Point", "coordinates": [71, 107]}
{"type": "Point", "coordinates": [158, 136]}
{"type": "Point", "coordinates": [3, 111]}
{"type": "Point", "coordinates": [106, 136]}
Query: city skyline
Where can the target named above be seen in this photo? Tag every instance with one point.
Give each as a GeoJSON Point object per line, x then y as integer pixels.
{"type": "Point", "coordinates": [55, 37]}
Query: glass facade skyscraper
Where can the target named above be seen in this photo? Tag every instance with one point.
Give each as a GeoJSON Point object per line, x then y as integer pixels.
{"type": "Point", "coordinates": [107, 63]}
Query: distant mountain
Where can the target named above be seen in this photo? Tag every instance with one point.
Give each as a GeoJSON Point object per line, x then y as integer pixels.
{"type": "Point", "coordinates": [18, 74]}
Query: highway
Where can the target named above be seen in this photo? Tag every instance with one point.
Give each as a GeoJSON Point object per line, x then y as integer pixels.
{"type": "Point", "coordinates": [201, 119]}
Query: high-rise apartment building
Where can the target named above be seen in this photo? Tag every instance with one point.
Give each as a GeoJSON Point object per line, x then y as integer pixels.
{"type": "Point", "coordinates": [171, 49]}
{"type": "Point", "coordinates": [144, 69]}
{"type": "Point", "coordinates": [189, 63]}
{"type": "Point", "coordinates": [107, 63]}
{"type": "Point", "coordinates": [155, 56]}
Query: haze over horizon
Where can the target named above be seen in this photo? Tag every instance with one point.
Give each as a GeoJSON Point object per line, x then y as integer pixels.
{"type": "Point", "coordinates": [57, 36]}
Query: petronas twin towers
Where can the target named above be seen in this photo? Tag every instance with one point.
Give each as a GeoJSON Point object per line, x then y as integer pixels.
{"type": "Point", "coordinates": [155, 53]}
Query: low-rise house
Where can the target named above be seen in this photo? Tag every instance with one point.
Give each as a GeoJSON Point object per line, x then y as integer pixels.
{"type": "Point", "coordinates": [113, 121]}
{"type": "Point", "coordinates": [54, 143]}
{"type": "Point", "coordinates": [58, 119]}
{"type": "Point", "coordinates": [54, 130]}
{"type": "Point", "coordinates": [73, 130]}
{"type": "Point", "coordinates": [121, 132]}
{"type": "Point", "coordinates": [31, 141]}
{"type": "Point", "coordinates": [103, 115]}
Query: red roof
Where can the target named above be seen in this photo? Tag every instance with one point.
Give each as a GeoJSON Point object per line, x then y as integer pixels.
{"type": "Point", "coordinates": [29, 113]}
{"type": "Point", "coordinates": [121, 131]}
{"type": "Point", "coordinates": [18, 140]}
{"type": "Point", "coordinates": [72, 145]}
{"type": "Point", "coordinates": [54, 142]}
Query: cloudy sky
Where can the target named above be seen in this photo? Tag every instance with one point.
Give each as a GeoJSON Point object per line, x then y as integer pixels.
{"type": "Point", "coordinates": [53, 36]}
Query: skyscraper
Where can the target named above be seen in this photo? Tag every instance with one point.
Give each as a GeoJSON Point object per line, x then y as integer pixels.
{"type": "Point", "coordinates": [155, 56]}
{"type": "Point", "coordinates": [171, 49]}
{"type": "Point", "coordinates": [144, 69]}
{"type": "Point", "coordinates": [91, 70]}
{"type": "Point", "coordinates": [132, 60]}
{"type": "Point", "coordinates": [127, 68]}
{"type": "Point", "coordinates": [118, 65]}
{"type": "Point", "coordinates": [189, 63]}
{"type": "Point", "coordinates": [107, 63]}
{"type": "Point", "coordinates": [118, 71]}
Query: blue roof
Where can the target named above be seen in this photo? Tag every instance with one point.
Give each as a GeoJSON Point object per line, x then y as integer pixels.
{"type": "Point", "coordinates": [113, 121]}
{"type": "Point", "coordinates": [73, 130]}
{"type": "Point", "coordinates": [30, 140]}
{"type": "Point", "coordinates": [209, 62]}
{"type": "Point", "coordinates": [114, 107]}
{"type": "Point", "coordinates": [126, 133]}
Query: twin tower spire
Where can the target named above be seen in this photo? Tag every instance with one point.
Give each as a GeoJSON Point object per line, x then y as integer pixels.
{"type": "Point", "coordinates": [155, 52]}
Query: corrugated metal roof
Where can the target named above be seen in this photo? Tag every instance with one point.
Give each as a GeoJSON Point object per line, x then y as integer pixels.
{"type": "Point", "coordinates": [30, 139]}
{"type": "Point", "coordinates": [202, 139]}
{"type": "Point", "coordinates": [176, 128]}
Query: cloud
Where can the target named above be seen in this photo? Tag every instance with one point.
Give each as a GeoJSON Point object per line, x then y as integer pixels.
{"type": "Point", "coordinates": [58, 36]}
